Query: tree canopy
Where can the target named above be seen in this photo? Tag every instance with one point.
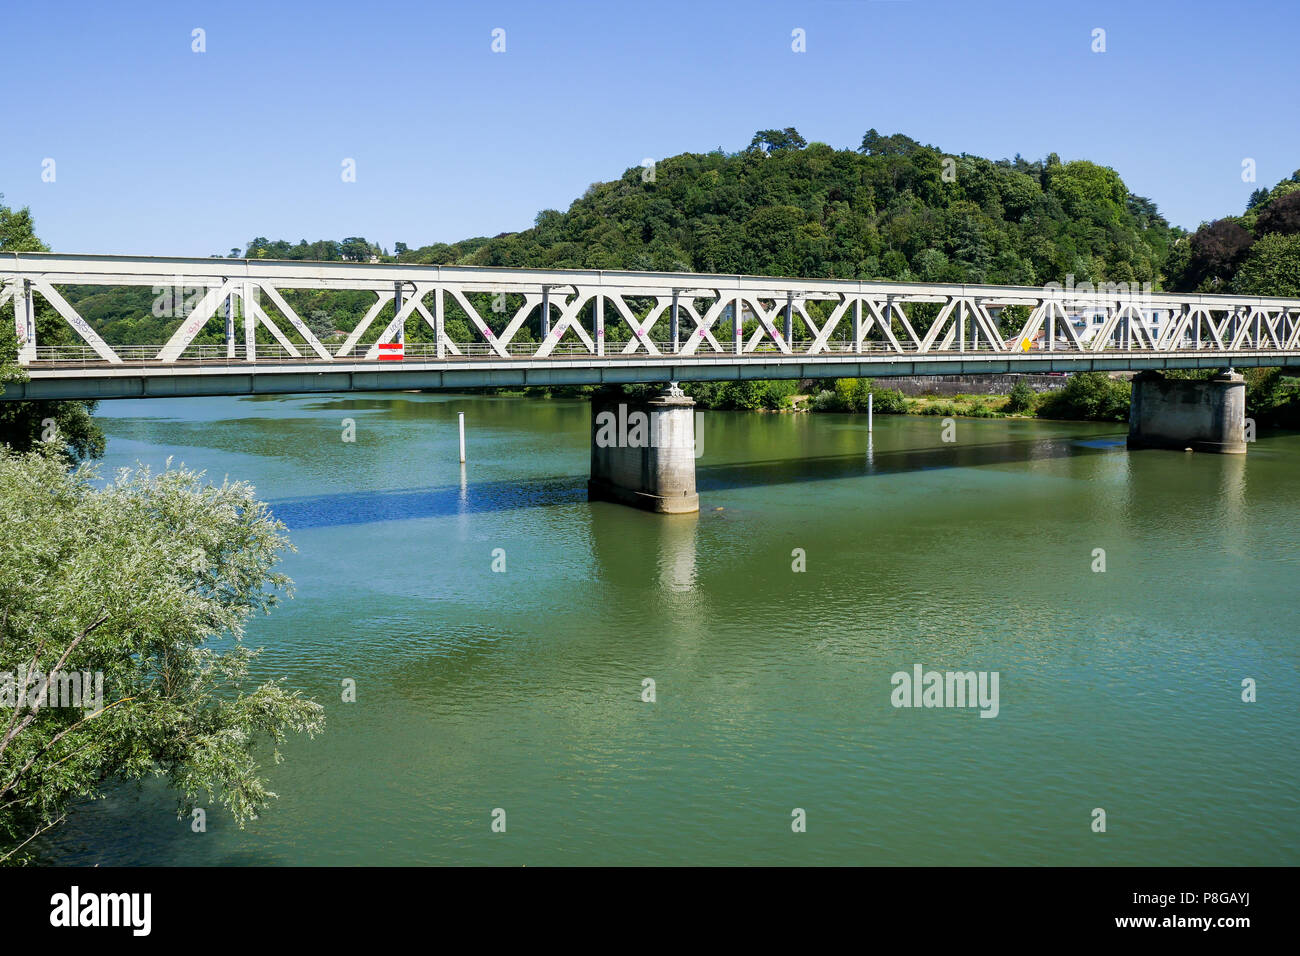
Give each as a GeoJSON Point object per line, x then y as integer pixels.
{"type": "Point", "coordinates": [133, 582]}
{"type": "Point", "coordinates": [1256, 253]}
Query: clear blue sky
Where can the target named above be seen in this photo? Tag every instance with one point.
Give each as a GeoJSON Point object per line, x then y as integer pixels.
{"type": "Point", "coordinates": [163, 151]}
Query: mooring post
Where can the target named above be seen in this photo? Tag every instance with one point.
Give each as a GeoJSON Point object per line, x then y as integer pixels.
{"type": "Point", "coordinates": [870, 397]}
{"type": "Point", "coordinates": [461, 418]}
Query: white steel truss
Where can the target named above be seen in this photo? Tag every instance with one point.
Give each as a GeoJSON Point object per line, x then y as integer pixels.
{"type": "Point", "coordinates": [779, 316]}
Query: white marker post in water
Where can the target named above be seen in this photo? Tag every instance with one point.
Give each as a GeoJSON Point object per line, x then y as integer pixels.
{"type": "Point", "coordinates": [462, 437]}
{"type": "Point", "coordinates": [870, 396]}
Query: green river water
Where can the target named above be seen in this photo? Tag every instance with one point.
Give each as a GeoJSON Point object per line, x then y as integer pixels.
{"type": "Point", "coordinates": [522, 690]}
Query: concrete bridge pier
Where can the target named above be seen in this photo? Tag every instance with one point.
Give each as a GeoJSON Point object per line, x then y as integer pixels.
{"type": "Point", "coordinates": [643, 451]}
{"type": "Point", "coordinates": [1204, 415]}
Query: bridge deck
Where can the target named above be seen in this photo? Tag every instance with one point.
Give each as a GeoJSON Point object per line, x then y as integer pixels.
{"type": "Point", "coordinates": [142, 380]}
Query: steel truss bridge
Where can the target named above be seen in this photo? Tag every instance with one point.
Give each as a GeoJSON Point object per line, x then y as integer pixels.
{"type": "Point", "coordinates": [599, 326]}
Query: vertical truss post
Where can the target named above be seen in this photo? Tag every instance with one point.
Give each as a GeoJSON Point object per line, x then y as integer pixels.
{"type": "Point", "coordinates": [250, 325]}
{"type": "Point", "coordinates": [230, 325]}
{"type": "Point", "coordinates": [672, 322]}
{"type": "Point", "coordinates": [20, 317]}
{"type": "Point", "coordinates": [857, 325]}
{"type": "Point", "coordinates": [31, 320]}
{"type": "Point", "coordinates": [789, 318]}
{"type": "Point", "coordinates": [439, 321]}
{"type": "Point", "coordinates": [961, 325]}
{"type": "Point", "coordinates": [25, 322]}
{"type": "Point", "coordinates": [738, 318]}
{"type": "Point", "coordinates": [400, 336]}
{"type": "Point", "coordinates": [600, 323]}
{"type": "Point", "coordinates": [546, 312]}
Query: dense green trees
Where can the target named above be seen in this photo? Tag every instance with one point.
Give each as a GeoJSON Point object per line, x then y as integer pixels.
{"type": "Point", "coordinates": [887, 210]}
{"type": "Point", "coordinates": [1257, 253]}
{"type": "Point", "coordinates": [352, 249]}
{"type": "Point", "coordinates": [1272, 268]}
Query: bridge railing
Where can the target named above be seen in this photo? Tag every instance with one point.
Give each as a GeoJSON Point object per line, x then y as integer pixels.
{"type": "Point", "coordinates": [146, 356]}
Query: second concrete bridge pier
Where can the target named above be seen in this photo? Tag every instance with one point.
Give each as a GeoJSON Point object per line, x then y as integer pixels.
{"type": "Point", "coordinates": [1201, 414]}
{"type": "Point", "coordinates": [643, 451]}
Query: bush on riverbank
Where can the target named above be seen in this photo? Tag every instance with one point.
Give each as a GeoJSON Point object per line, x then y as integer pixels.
{"type": "Point", "coordinates": [1021, 400]}
{"type": "Point", "coordinates": [1088, 396]}
{"type": "Point", "coordinates": [850, 395]}
{"type": "Point", "coordinates": [749, 395]}
{"type": "Point", "coordinates": [959, 406]}
{"type": "Point", "coordinates": [1270, 400]}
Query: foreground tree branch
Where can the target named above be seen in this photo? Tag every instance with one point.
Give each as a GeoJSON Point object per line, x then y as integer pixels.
{"type": "Point", "coordinates": [135, 581]}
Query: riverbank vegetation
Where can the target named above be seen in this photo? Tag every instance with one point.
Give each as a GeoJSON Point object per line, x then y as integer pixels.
{"type": "Point", "coordinates": [1089, 396]}
{"type": "Point", "coordinates": [1272, 399]}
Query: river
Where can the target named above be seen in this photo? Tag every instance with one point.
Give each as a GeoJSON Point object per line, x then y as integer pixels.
{"type": "Point", "coordinates": [523, 690]}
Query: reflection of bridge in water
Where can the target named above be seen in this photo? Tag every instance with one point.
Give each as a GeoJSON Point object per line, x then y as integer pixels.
{"type": "Point", "coordinates": [521, 327]}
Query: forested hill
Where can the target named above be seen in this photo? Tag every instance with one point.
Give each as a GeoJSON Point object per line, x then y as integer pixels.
{"type": "Point", "coordinates": [890, 209]}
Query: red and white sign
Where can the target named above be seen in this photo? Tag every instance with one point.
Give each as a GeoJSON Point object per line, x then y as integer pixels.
{"type": "Point", "coordinates": [390, 351]}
